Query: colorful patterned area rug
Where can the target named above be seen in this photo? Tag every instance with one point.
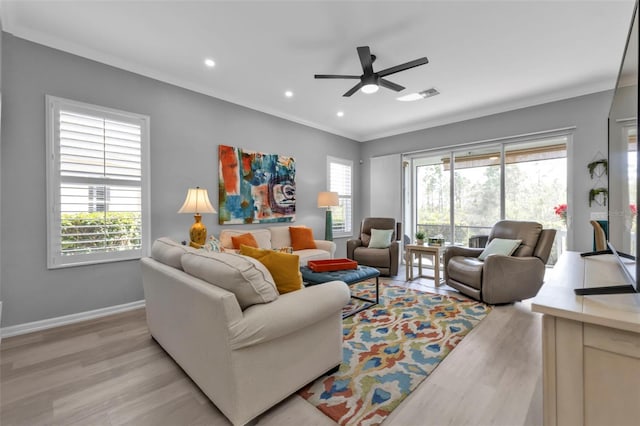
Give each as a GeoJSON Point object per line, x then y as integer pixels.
{"type": "Point", "coordinates": [389, 349]}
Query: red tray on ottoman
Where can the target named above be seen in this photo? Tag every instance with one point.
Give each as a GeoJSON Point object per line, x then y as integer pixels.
{"type": "Point", "coordinates": [331, 265]}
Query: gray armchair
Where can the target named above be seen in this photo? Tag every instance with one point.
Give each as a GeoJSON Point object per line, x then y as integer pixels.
{"type": "Point", "coordinates": [385, 260]}
{"type": "Point", "coordinates": [502, 279]}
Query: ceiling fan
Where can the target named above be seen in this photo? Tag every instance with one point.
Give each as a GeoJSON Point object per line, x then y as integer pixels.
{"type": "Point", "coordinates": [369, 80]}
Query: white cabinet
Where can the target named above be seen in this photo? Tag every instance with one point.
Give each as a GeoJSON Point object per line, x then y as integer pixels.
{"type": "Point", "coordinates": [591, 346]}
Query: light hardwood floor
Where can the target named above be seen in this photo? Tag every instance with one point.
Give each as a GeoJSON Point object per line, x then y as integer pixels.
{"type": "Point", "coordinates": [110, 372]}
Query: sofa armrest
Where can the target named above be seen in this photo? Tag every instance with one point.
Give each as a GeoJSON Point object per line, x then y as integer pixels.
{"type": "Point", "coordinates": [458, 251]}
{"type": "Point", "coordinates": [462, 251]}
{"type": "Point", "coordinates": [325, 245]}
{"type": "Point", "coordinates": [289, 313]}
{"type": "Point", "coordinates": [351, 246]}
{"type": "Point", "coordinates": [508, 278]}
{"type": "Point", "coordinates": [394, 252]}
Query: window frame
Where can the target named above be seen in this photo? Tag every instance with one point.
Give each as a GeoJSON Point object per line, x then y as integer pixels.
{"type": "Point", "coordinates": [55, 259]}
{"type": "Point", "coordinates": [348, 220]}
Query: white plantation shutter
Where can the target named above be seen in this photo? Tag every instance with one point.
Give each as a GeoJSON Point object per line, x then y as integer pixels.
{"type": "Point", "coordinates": [340, 174]}
{"type": "Point", "coordinates": [96, 185]}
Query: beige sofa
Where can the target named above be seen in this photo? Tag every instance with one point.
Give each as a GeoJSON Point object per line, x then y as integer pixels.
{"type": "Point", "coordinates": [247, 349]}
{"type": "Point", "coordinates": [276, 237]}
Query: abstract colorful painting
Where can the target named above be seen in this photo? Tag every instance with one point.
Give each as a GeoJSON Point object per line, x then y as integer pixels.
{"type": "Point", "coordinates": [255, 187]}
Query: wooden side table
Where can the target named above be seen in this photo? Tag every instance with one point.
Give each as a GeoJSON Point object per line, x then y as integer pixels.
{"type": "Point", "coordinates": [419, 251]}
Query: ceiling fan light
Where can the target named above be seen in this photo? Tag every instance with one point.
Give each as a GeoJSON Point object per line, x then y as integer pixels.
{"type": "Point", "coordinates": [369, 88]}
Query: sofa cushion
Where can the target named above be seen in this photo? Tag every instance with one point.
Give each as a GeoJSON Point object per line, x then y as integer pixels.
{"type": "Point", "coordinates": [312, 254]}
{"type": "Point", "coordinates": [248, 279]}
{"type": "Point", "coordinates": [284, 267]}
{"type": "Point", "coordinates": [378, 258]}
{"type": "Point", "coordinates": [262, 236]}
{"type": "Point", "coordinates": [169, 252]}
{"type": "Point", "coordinates": [280, 236]}
{"type": "Point", "coordinates": [301, 238]}
{"type": "Point", "coordinates": [244, 239]}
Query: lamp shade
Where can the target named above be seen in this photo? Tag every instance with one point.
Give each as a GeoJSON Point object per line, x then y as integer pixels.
{"type": "Point", "coordinates": [328, 199]}
{"type": "Point", "coordinates": [197, 201]}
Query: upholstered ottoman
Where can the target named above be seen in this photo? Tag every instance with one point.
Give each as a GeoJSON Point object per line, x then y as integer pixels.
{"type": "Point", "coordinates": [349, 276]}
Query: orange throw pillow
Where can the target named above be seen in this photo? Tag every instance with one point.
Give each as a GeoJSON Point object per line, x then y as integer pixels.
{"type": "Point", "coordinates": [284, 267]}
{"type": "Point", "coordinates": [301, 238]}
{"type": "Point", "coordinates": [247, 239]}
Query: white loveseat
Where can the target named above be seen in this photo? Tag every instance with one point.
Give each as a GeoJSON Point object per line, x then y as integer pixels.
{"type": "Point", "coordinates": [276, 237]}
{"type": "Point", "coordinates": [244, 360]}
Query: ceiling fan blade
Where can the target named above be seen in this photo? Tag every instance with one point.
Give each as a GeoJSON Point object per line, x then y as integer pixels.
{"type": "Point", "coordinates": [336, 76]}
{"type": "Point", "coordinates": [365, 59]}
{"type": "Point", "coordinates": [390, 85]}
{"type": "Point", "coordinates": [402, 67]}
{"type": "Point", "coordinates": [354, 89]}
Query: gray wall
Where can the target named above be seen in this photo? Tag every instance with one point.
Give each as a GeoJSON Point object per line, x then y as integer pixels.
{"type": "Point", "coordinates": [186, 129]}
{"type": "Point", "coordinates": [1, 33]}
{"type": "Point", "coordinates": [587, 113]}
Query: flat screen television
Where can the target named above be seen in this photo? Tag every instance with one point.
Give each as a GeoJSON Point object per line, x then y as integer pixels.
{"type": "Point", "coordinates": [622, 171]}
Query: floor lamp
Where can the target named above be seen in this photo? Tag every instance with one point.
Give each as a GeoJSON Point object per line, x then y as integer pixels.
{"type": "Point", "coordinates": [328, 200]}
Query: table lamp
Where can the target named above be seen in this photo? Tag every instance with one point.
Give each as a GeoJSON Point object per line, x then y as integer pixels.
{"type": "Point", "coordinates": [197, 202]}
{"type": "Point", "coordinates": [327, 200]}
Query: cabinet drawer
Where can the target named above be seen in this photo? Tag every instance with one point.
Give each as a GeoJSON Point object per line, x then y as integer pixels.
{"type": "Point", "coordinates": [610, 339]}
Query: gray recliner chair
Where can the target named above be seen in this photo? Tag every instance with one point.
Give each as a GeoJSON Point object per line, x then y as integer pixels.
{"type": "Point", "coordinates": [385, 260]}
{"type": "Point", "coordinates": [502, 279]}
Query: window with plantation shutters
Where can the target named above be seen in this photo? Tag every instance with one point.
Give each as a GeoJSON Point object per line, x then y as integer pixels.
{"type": "Point", "coordinates": [340, 174]}
{"type": "Point", "coordinates": [96, 183]}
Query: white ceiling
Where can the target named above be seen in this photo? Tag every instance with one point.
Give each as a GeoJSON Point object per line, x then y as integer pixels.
{"type": "Point", "coordinates": [485, 56]}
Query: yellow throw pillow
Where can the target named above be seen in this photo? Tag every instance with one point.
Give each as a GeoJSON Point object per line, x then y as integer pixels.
{"type": "Point", "coordinates": [247, 239]}
{"type": "Point", "coordinates": [301, 238]}
{"type": "Point", "coordinates": [284, 267]}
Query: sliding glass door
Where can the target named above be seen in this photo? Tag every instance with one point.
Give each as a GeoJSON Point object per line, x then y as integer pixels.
{"type": "Point", "coordinates": [460, 194]}
{"type": "Point", "coordinates": [476, 192]}
{"type": "Point", "coordinates": [432, 201]}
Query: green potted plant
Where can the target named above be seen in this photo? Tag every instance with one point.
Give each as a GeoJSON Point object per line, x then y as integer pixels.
{"type": "Point", "coordinates": [420, 235]}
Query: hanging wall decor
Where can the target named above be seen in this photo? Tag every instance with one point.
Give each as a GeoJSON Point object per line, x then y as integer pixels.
{"type": "Point", "coordinates": [598, 171]}
{"type": "Point", "coordinates": [598, 168]}
{"type": "Point", "coordinates": [255, 187]}
{"type": "Point", "coordinates": [598, 195]}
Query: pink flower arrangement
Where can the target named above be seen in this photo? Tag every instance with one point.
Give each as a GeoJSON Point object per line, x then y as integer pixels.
{"type": "Point", "coordinates": [561, 210]}
{"type": "Point", "coordinates": [634, 209]}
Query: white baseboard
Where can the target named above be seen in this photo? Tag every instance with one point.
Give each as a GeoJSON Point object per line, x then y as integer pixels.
{"type": "Point", "coordinates": [30, 327]}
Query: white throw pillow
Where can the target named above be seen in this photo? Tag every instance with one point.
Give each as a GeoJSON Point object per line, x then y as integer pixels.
{"type": "Point", "coordinates": [280, 237]}
{"type": "Point", "coordinates": [380, 238]}
{"type": "Point", "coordinates": [244, 276]}
{"type": "Point", "coordinates": [169, 252]}
{"type": "Point", "coordinates": [500, 246]}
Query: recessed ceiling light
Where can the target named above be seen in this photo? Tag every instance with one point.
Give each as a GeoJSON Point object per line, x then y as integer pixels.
{"type": "Point", "coordinates": [420, 95]}
{"type": "Point", "coordinates": [410, 97]}
{"type": "Point", "coordinates": [210, 63]}
{"type": "Point", "coordinates": [340, 114]}
{"type": "Point", "coordinates": [288, 94]}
